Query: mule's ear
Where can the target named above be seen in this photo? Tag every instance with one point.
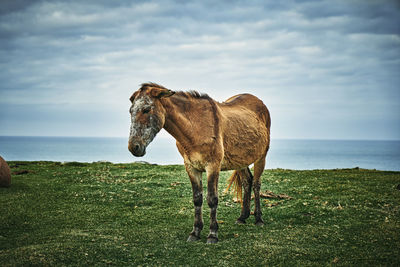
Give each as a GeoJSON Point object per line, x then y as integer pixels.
{"type": "Point", "coordinates": [133, 96]}
{"type": "Point", "coordinates": [161, 92]}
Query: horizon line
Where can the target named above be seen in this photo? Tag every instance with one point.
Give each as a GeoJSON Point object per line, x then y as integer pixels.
{"type": "Point", "coordinates": [282, 138]}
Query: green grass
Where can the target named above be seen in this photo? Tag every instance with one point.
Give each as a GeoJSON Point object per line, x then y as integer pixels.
{"type": "Point", "coordinates": [133, 214]}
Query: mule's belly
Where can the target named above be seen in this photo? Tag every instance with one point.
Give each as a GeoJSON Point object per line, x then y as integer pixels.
{"type": "Point", "coordinates": [249, 155]}
{"type": "Point", "coordinates": [229, 161]}
{"type": "Point", "coordinates": [244, 149]}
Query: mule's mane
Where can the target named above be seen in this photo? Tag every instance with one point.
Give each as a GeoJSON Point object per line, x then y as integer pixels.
{"type": "Point", "coordinates": [192, 94]}
{"type": "Point", "coordinates": [188, 94]}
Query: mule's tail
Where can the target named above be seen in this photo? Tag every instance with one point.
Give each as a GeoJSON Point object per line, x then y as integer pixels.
{"type": "Point", "coordinates": [236, 180]}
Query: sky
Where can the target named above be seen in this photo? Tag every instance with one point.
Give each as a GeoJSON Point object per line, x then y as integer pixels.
{"type": "Point", "coordinates": [325, 69]}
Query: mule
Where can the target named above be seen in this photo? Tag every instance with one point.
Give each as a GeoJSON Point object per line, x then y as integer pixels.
{"type": "Point", "coordinates": [211, 137]}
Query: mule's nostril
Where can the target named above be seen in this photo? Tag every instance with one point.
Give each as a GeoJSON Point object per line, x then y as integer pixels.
{"type": "Point", "coordinates": [133, 147]}
{"type": "Point", "coordinates": [137, 150]}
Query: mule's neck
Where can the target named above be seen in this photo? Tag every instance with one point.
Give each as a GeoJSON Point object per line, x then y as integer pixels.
{"type": "Point", "coordinates": [191, 121]}
{"type": "Point", "coordinates": [177, 122]}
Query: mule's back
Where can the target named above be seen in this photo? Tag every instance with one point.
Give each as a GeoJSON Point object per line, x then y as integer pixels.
{"type": "Point", "coordinates": [250, 102]}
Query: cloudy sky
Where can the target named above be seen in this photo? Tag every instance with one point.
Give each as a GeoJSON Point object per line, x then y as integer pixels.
{"type": "Point", "coordinates": [326, 69]}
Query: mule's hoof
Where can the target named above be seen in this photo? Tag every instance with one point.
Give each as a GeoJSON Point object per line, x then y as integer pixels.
{"type": "Point", "coordinates": [212, 240]}
{"type": "Point", "coordinates": [193, 238]}
{"type": "Point", "coordinates": [240, 222]}
{"type": "Point", "coordinates": [260, 223]}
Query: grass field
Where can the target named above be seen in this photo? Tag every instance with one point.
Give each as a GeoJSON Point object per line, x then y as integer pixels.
{"type": "Point", "coordinates": [136, 214]}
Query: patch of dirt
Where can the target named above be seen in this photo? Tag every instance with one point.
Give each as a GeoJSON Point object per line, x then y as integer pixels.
{"type": "Point", "coordinates": [21, 172]}
{"type": "Point", "coordinates": [270, 194]}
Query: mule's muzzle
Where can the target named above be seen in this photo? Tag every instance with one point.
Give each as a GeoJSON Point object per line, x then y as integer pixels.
{"type": "Point", "coordinates": [137, 150]}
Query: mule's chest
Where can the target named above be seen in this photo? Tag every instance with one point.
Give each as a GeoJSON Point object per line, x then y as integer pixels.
{"type": "Point", "coordinates": [202, 156]}
{"type": "Point", "coordinates": [196, 161]}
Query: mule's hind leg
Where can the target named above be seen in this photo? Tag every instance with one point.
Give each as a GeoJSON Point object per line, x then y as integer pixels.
{"type": "Point", "coordinates": [197, 187]}
{"type": "Point", "coordinates": [258, 170]}
{"type": "Point", "coordinates": [247, 181]}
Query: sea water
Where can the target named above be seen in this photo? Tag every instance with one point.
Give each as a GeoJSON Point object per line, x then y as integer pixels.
{"type": "Point", "coordinates": [287, 154]}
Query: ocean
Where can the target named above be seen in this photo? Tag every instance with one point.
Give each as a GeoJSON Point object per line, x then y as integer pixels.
{"type": "Point", "coordinates": [286, 154]}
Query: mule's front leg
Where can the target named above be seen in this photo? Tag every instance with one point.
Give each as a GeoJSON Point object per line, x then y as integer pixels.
{"type": "Point", "coordinates": [197, 187]}
{"type": "Point", "coordinates": [212, 200]}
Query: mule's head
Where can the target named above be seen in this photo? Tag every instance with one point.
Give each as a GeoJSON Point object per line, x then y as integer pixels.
{"type": "Point", "coordinates": [147, 116]}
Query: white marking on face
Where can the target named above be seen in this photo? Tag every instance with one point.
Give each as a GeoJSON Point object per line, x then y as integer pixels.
{"type": "Point", "coordinates": [143, 133]}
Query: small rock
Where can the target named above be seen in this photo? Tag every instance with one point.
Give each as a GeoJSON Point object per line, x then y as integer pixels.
{"type": "Point", "coordinates": [145, 163]}
{"type": "Point", "coordinates": [5, 174]}
{"type": "Point", "coordinates": [142, 162]}
{"type": "Point", "coordinates": [102, 161]}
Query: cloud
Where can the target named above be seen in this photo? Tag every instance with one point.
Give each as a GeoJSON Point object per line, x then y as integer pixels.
{"type": "Point", "coordinates": [307, 60]}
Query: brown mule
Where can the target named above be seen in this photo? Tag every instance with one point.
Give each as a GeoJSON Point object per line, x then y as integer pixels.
{"type": "Point", "coordinates": [211, 137]}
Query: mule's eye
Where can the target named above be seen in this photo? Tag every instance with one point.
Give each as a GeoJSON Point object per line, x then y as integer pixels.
{"type": "Point", "coordinates": [146, 110]}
